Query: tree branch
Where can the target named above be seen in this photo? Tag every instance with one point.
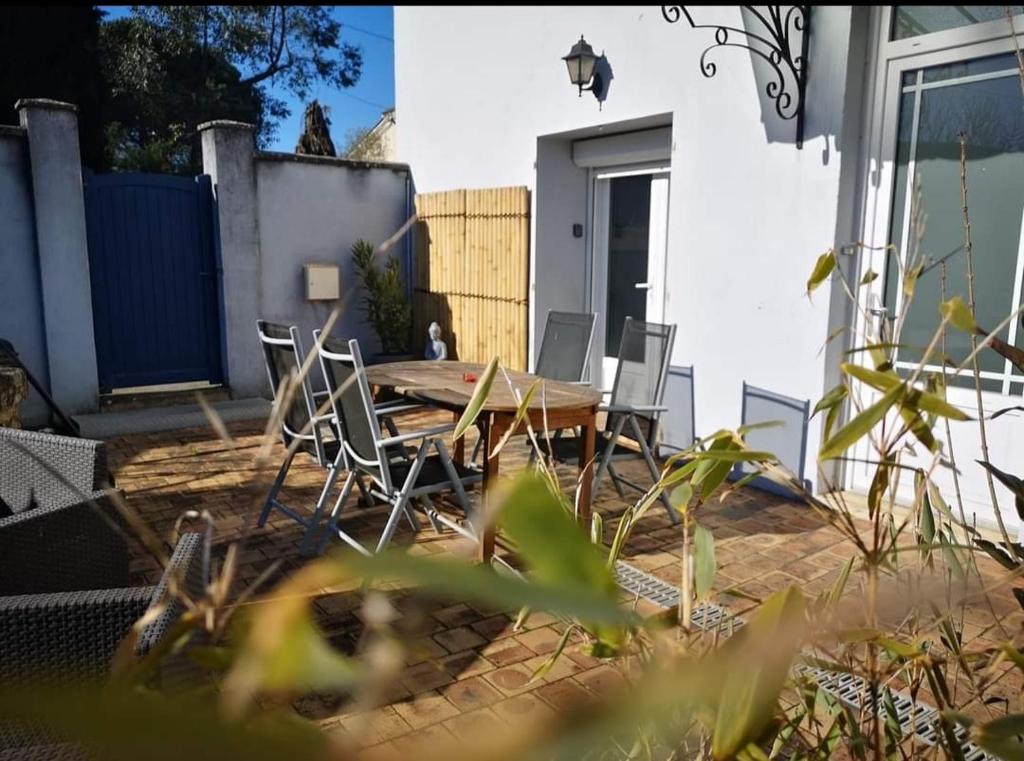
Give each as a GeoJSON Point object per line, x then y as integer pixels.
{"type": "Point", "coordinates": [274, 66]}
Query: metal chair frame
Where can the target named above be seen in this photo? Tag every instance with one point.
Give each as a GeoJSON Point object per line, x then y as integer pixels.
{"type": "Point", "coordinates": [378, 468]}
{"type": "Point", "coordinates": [315, 434]}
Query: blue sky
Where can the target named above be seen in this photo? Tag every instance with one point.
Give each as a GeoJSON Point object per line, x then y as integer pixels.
{"type": "Point", "coordinates": [370, 26]}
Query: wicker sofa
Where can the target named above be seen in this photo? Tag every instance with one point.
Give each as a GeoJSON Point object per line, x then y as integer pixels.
{"type": "Point", "coordinates": [66, 601]}
{"type": "Point", "coordinates": [49, 469]}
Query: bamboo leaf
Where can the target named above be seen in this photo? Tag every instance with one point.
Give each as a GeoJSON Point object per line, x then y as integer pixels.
{"type": "Point", "coordinates": [832, 398]}
{"type": "Point", "coordinates": [750, 693]}
{"type": "Point", "coordinates": [121, 723]}
{"type": "Point", "coordinates": [914, 398]}
{"type": "Point", "coordinates": [1011, 482]}
{"type": "Point", "coordinates": [680, 497]}
{"type": "Point", "coordinates": [869, 277]}
{"type": "Point", "coordinates": [1003, 737]}
{"type": "Point", "coordinates": [476, 402]}
{"type": "Point", "coordinates": [883, 381]}
{"type": "Point", "coordinates": [822, 269]}
{"type": "Point", "coordinates": [521, 411]}
{"type": "Point", "coordinates": [917, 399]}
{"type": "Point", "coordinates": [958, 313]}
{"type": "Point", "coordinates": [703, 561]}
{"type": "Point", "coordinates": [860, 426]}
{"type": "Point", "coordinates": [469, 582]}
{"type": "Point", "coordinates": [836, 592]}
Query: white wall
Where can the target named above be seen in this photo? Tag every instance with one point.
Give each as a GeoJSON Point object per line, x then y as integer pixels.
{"type": "Point", "coordinates": [313, 210]}
{"type": "Point", "coordinates": [749, 213]}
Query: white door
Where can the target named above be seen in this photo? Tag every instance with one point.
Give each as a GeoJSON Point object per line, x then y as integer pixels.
{"type": "Point", "coordinates": [922, 101]}
{"type": "Point", "coordinates": [630, 238]}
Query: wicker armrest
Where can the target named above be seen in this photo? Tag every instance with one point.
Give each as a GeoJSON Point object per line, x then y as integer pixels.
{"type": "Point", "coordinates": [185, 574]}
{"type": "Point", "coordinates": [63, 548]}
{"type": "Point", "coordinates": [67, 636]}
{"type": "Point", "coordinates": [51, 469]}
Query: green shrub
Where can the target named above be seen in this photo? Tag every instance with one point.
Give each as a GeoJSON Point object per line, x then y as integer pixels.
{"type": "Point", "coordinates": [386, 303]}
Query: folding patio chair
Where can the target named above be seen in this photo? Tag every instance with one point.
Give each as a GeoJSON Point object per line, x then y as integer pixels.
{"type": "Point", "coordinates": [787, 441]}
{"type": "Point", "coordinates": [283, 356]}
{"type": "Point", "coordinates": [393, 478]}
{"type": "Point", "coordinates": [564, 353]}
{"type": "Point", "coordinates": [634, 409]}
{"type": "Point", "coordinates": [678, 422]}
{"type": "Point", "coordinates": [565, 349]}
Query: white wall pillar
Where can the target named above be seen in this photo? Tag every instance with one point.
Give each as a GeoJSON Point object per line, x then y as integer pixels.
{"type": "Point", "coordinates": [61, 239]}
{"type": "Point", "coordinates": [228, 157]}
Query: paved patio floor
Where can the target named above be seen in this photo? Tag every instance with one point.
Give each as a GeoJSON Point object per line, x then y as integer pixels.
{"type": "Point", "coordinates": [468, 667]}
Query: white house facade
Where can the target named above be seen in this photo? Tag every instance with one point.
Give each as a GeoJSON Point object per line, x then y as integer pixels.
{"type": "Point", "coordinates": [687, 199]}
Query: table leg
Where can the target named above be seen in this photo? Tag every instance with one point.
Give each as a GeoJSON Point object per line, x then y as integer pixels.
{"type": "Point", "coordinates": [588, 433]}
{"type": "Point", "coordinates": [492, 431]}
{"type": "Point", "coordinates": [459, 455]}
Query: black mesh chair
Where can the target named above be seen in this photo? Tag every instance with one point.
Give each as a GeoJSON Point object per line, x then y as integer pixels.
{"type": "Point", "coordinates": [634, 409]}
{"type": "Point", "coordinates": [393, 477]}
{"type": "Point", "coordinates": [565, 349]}
{"type": "Point", "coordinates": [786, 439]}
{"type": "Point", "coordinates": [564, 353]}
{"type": "Point", "coordinates": [678, 422]}
{"type": "Point", "coordinates": [283, 356]}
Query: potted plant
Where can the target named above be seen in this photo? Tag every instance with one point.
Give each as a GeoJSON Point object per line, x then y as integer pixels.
{"type": "Point", "coordinates": [386, 303]}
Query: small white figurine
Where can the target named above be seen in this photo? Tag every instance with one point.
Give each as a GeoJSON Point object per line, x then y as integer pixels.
{"type": "Point", "coordinates": [436, 348]}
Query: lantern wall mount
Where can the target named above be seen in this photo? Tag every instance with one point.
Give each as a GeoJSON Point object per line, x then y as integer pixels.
{"type": "Point", "coordinates": [585, 69]}
{"type": "Point", "coordinates": [781, 40]}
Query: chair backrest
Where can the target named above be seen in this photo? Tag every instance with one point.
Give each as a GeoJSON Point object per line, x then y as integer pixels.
{"type": "Point", "coordinates": [352, 402]}
{"type": "Point", "coordinates": [678, 422]}
{"type": "Point", "coordinates": [48, 469]}
{"type": "Point", "coordinates": [283, 357]}
{"type": "Point", "coordinates": [565, 348]}
{"type": "Point", "coordinates": [787, 441]}
{"type": "Point", "coordinates": [644, 354]}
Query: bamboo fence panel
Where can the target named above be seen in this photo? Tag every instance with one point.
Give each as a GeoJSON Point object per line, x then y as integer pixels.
{"type": "Point", "coordinates": [472, 272]}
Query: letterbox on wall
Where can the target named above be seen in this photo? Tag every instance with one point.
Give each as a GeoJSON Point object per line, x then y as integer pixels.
{"type": "Point", "coordinates": [321, 282]}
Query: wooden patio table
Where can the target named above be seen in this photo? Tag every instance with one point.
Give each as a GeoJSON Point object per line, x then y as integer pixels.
{"type": "Point", "coordinates": [449, 385]}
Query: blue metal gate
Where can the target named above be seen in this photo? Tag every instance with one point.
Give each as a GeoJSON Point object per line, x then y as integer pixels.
{"type": "Point", "coordinates": [154, 279]}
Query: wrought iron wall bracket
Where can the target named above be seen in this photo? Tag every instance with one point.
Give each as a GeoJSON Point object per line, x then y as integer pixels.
{"type": "Point", "coordinates": [779, 38]}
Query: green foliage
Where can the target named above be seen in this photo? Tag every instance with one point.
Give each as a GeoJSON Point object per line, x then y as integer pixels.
{"type": "Point", "coordinates": [144, 82]}
{"type": "Point", "coordinates": [386, 304]}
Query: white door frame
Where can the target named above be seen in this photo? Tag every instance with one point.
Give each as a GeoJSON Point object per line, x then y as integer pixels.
{"type": "Point", "coordinates": [889, 59]}
{"type": "Point", "coordinates": [603, 368]}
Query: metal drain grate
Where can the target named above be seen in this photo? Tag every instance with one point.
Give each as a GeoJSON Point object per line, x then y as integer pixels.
{"type": "Point", "coordinates": [706, 615]}
{"type": "Point", "coordinates": [916, 718]}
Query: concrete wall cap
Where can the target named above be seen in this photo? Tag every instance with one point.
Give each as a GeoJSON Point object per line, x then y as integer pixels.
{"type": "Point", "coordinates": [225, 124]}
{"type": "Point", "coordinates": [45, 104]}
{"type": "Point", "coordinates": [303, 158]}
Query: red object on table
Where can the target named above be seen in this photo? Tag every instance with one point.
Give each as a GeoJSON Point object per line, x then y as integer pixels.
{"type": "Point", "coordinates": [469, 377]}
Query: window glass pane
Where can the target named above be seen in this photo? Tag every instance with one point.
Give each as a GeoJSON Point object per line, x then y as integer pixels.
{"type": "Point", "coordinates": [1006, 62]}
{"type": "Point", "coordinates": [913, 20]}
{"type": "Point", "coordinates": [628, 234]}
{"type": "Point", "coordinates": [991, 113]}
{"type": "Point", "coordinates": [899, 197]}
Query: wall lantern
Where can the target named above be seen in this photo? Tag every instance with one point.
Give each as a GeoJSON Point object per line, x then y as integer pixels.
{"type": "Point", "coordinates": [581, 63]}
{"type": "Point", "coordinates": [777, 34]}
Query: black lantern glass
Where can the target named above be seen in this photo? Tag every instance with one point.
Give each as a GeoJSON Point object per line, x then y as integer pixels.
{"type": "Point", "coordinates": [580, 62]}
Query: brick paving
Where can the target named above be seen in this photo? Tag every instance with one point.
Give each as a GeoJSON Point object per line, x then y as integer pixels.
{"type": "Point", "coordinates": [469, 669]}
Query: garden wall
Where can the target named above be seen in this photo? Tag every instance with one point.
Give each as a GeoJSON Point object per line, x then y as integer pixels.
{"type": "Point", "coordinates": [278, 212]}
{"type": "Point", "coordinates": [21, 301]}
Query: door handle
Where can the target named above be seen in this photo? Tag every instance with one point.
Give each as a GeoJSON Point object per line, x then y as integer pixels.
{"type": "Point", "coordinates": [643, 286]}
